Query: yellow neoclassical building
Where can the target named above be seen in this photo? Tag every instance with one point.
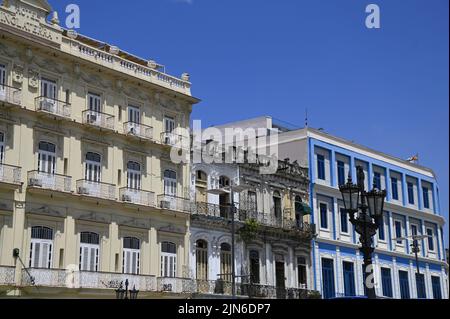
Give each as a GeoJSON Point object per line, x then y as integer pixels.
{"type": "Point", "coordinates": [89, 196]}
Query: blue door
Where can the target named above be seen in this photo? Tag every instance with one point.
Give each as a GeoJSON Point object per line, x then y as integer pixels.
{"type": "Point", "coordinates": [386, 282]}
{"type": "Point", "coordinates": [404, 284]}
{"type": "Point", "coordinates": [420, 283]}
{"type": "Point", "coordinates": [436, 283]}
{"type": "Point", "coordinates": [349, 279]}
{"type": "Point", "coordinates": [328, 279]}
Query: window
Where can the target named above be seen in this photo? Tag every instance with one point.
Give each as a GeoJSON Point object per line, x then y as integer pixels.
{"type": "Point", "coordinates": [349, 278]}
{"type": "Point", "coordinates": [430, 239]}
{"type": "Point", "coordinates": [320, 167]}
{"type": "Point", "coordinates": [411, 193]}
{"type": "Point", "coordinates": [2, 82]}
{"type": "Point", "coordinates": [413, 230]}
{"type": "Point", "coordinates": [323, 215]}
{"type": "Point", "coordinates": [48, 89]}
{"type": "Point", "coordinates": [224, 182]}
{"type": "Point", "coordinates": [377, 180]}
{"type": "Point", "coordinates": [169, 124]}
{"type": "Point", "coordinates": [344, 221]}
{"type": "Point", "coordinates": [47, 158]}
{"type": "Point", "coordinates": [93, 169]}
{"type": "Point", "coordinates": [131, 255]}
{"type": "Point", "coordinates": [134, 175]}
{"type": "Point", "coordinates": [2, 147]}
{"type": "Point", "coordinates": [380, 223]}
{"type": "Point", "coordinates": [426, 198]}
{"type": "Point", "coordinates": [202, 260]}
{"type": "Point", "coordinates": [170, 183]}
{"type": "Point", "coordinates": [398, 231]}
{"type": "Point", "coordinates": [134, 114]}
{"type": "Point", "coordinates": [252, 201]}
{"type": "Point", "coordinates": [341, 172]}
{"type": "Point", "coordinates": [386, 282]}
{"type": "Point", "coordinates": [41, 248]}
{"type": "Point", "coordinates": [94, 103]}
{"type": "Point", "coordinates": [299, 211]}
{"type": "Point", "coordinates": [254, 267]}
{"type": "Point", "coordinates": [89, 251]}
{"type": "Point", "coordinates": [436, 285]}
{"type": "Point", "coordinates": [168, 260]}
{"type": "Point", "coordinates": [420, 283]}
{"type": "Point", "coordinates": [404, 284]}
{"type": "Point", "coordinates": [301, 270]}
{"type": "Point", "coordinates": [225, 262]}
{"type": "Point", "coordinates": [328, 288]}
{"type": "Point", "coordinates": [394, 184]}
{"type": "Point", "coordinates": [277, 204]}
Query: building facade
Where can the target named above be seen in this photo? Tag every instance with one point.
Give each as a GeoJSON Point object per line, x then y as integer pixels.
{"type": "Point", "coordinates": [88, 194]}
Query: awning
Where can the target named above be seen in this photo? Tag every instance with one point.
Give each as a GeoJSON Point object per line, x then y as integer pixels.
{"type": "Point", "coordinates": [305, 209]}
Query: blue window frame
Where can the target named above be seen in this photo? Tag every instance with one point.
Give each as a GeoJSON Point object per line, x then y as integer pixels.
{"type": "Point", "coordinates": [344, 221]}
{"type": "Point", "coordinates": [411, 193]}
{"type": "Point", "coordinates": [320, 167]}
{"type": "Point", "coordinates": [394, 184]}
{"type": "Point", "coordinates": [404, 284]}
{"type": "Point", "coordinates": [386, 282]}
{"type": "Point", "coordinates": [398, 231]}
{"type": "Point", "coordinates": [430, 239]}
{"type": "Point", "coordinates": [328, 288]}
{"type": "Point", "coordinates": [341, 172]}
{"type": "Point", "coordinates": [349, 279]}
{"type": "Point", "coordinates": [323, 215]}
{"type": "Point", "coordinates": [380, 223]}
{"type": "Point", "coordinates": [426, 198]}
{"type": "Point", "coordinates": [377, 180]}
{"type": "Point", "coordinates": [436, 284]}
{"type": "Point", "coordinates": [420, 283]}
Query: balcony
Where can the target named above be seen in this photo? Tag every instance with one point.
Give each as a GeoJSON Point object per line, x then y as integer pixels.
{"type": "Point", "coordinates": [7, 275]}
{"type": "Point", "coordinates": [98, 120]}
{"type": "Point", "coordinates": [60, 278]}
{"type": "Point", "coordinates": [53, 107]}
{"type": "Point", "coordinates": [217, 211]}
{"type": "Point", "coordinates": [176, 285]}
{"type": "Point", "coordinates": [55, 182]}
{"type": "Point", "coordinates": [96, 189]}
{"type": "Point", "coordinates": [175, 140]}
{"type": "Point", "coordinates": [10, 95]}
{"type": "Point", "coordinates": [175, 203]}
{"type": "Point", "coordinates": [10, 174]}
{"type": "Point", "coordinates": [138, 131]}
{"type": "Point", "coordinates": [135, 196]}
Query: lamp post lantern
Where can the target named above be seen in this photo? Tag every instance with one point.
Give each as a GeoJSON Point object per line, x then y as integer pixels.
{"type": "Point", "coordinates": [365, 210]}
{"type": "Point", "coordinates": [123, 293]}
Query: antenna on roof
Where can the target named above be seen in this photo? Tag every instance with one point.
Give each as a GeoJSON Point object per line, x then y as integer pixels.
{"type": "Point", "coordinates": [306, 118]}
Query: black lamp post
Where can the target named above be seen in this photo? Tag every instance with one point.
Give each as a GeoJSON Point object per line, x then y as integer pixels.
{"type": "Point", "coordinates": [365, 210]}
{"type": "Point", "coordinates": [123, 293]}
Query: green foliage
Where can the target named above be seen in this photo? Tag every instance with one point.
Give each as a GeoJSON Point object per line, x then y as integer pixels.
{"type": "Point", "coordinates": [249, 231]}
{"type": "Point", "coordinates": [314, 295]}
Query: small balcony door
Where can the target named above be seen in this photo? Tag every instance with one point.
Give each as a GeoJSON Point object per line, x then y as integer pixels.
{"type": "Point", "coordinates": [89, 251]}
{"type": "Point", "coordinates": [168, 260]}
{"type": "Point", "coordinates": [131, 256]}
{"type": "Point", "coordinates": [2, 82]}
{"type": "Point", "coordinates": [48, 91]}
{"type": "Point", "coordinates": [47, 164]}
{"type": "Point", "coordinates": [95, 109]}
{"type": "Point", "coordinates": [169, 128]}
{"type": "Point", "coordinates": [93, 173]}
{"type": "Point", "coordinates": [41, 247]}
{"type": "Point", "coordinates": [2, 147]}
{"type": "Point", "coordinates": [134, 120]}
{"type": "Point", "coordinates": [134, 181]}
{"type": "Point", "coordinates": [170, 183]}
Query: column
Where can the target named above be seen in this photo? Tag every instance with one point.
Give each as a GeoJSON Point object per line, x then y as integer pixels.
{"type": "Point", "coordinates": [291, 275]}
{"type": "Point", "coordinates": [412, 280]}
{"type": "Point", "coordinates": [339, 272]}
{"type": "Point", "coordinates": [404, 190]}
{"type": "Point", "coordinates": [420, 193]}
{"type": "Point", "coordinates": [428, 280]}
{"type": "Point", "coordinates": [332, 168]}
{"type": "Point", "coordinates": [440, 247]}
{"type": "Point", "coordinates": [388, 185]}
{"type": "Point", "coordinates": [359, 274]}
{"type": "Point", "coordinates": [71, 254]}
{"type": "Point", "coordinates": [435, 199]}
{"type": "Point", "coordinates": [369, 176]}
{"type": "Point", "coordinates": [424, 246]}
{"type": "Point", "coordinates": [407, 241]}
{"type": "Point", "coordinates": [335, 212]}
{"type": "Point", "coordinates": [18, 237]}
{"type": "Point", "coordinates": [114, 248]}
{"type": "Point", "coordinates": [154, 250]}
{"type": "Point", "coordinates": [390, 227]}
{"type": "Point", "coordinates": [396, 283]}
{"type": "Point", "coordinates": [377, 276]}
{"type": "Point", "coordinates": [352, 169]}
{"type": "Point", "coordinates": [269, 267]}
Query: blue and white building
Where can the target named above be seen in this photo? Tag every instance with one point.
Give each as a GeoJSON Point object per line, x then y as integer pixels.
{"type": "Point", "coordinates": [412, 208]}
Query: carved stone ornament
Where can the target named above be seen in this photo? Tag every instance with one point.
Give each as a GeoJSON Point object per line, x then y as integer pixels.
{"type": "Point", "coordinates": [33, 78]}
{"type": "Point", "coordinates": [18, 73]}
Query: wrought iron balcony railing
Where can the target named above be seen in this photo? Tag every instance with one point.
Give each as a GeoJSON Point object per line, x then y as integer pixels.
{"type": "Point", "coordinates": [54, 182]}
{"type": "Point", "coordinates": [176, 140]}
{"type": "Point", "coordinates": [138, 130]}
{"type": "Point", "coordinates": [53, 107]}
{"type": "Point", "coordinates": [10, 174]}
{"type": "Point", "coordinates": [176, 285]}
{"type": "Point", "coordinates": [10, 94]}
{"type": "Point", "coordinates": [175, 203]}
{"type": "Point", "coordinates": [96, 189]}
{"type": "Point", "coordinates": [98, 119]}
{"type": "Point", "coordinates": [7, 275]}
{"type": "Point", "coordinates": [136, 196]}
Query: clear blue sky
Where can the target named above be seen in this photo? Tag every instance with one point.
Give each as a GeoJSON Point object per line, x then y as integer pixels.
{"type": "Point", "coordinates": [387, 88]}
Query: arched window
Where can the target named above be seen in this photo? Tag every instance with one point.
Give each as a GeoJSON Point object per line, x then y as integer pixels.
{"type": "Point", "coordinates": [41, 247]}
{"type": "Point", "coordinates": [201, 185]}
{"type": "Point", "coordinates": [201, 177]}
{"type": "Point", "coordinates": [131, 255]}
{"type": "Point", "coordinates": [2, 147]}
{"type": "Point", "coordinates": [277, 204]}
{"type": "Point", "coordinates": [202, 260]}
{"type": "Point", "coordinates": [298, 210]}
{"type": "Point", "coordinates": [93, 168]}
{"type": "Point", "coordinates": [168, 259]}
{"type": "Point", "coordinates": [254, 266]}
{"type": "Point", "coordinates": [47, 158]}
{"type": "Point", "coordinates": [170, 183]}
{"type": "Point", "coordinates": [224, 182]}
{"type": "Point", "coordinates": [89, 251]}
{"type": "Point", "coordinates": [225, 262]}
{"type": "Point", "coordinates": [134, 175]}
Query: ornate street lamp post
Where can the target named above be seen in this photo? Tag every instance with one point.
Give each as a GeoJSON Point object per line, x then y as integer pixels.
{"type": "Point", "coordinates": [123, 293]}
{"type": "Point", "coordinates": [365, 210]}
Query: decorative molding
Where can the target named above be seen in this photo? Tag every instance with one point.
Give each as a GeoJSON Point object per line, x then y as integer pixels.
{"type": "Point", "coordinates": [33, 78]}
{"type": "Point", "coordinates": [18, 73]}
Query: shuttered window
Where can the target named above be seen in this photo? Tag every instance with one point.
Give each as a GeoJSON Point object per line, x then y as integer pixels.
{"type": "Point", "coordinates": [89, 251]}
{"type": "Point", "coordinates": [131, 255]}
{"type": "Point", "coordinates": [41, 247]}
